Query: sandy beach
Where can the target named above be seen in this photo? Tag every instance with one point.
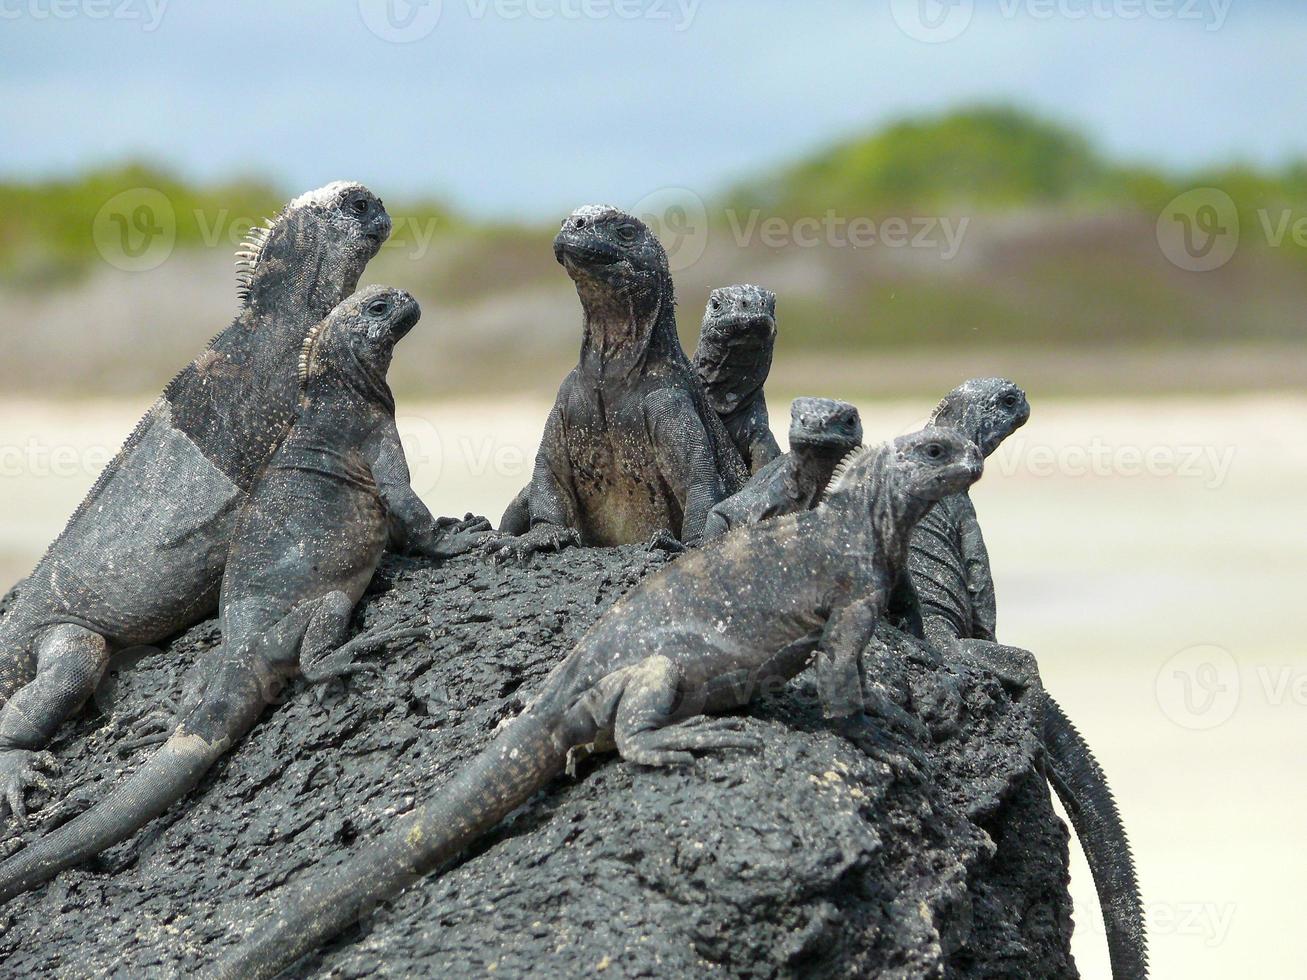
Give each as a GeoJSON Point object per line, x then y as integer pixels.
{"type": "Point", "coordinates": [1151, 552]}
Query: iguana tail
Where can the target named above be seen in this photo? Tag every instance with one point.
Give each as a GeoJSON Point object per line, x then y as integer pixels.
{"type": "Point", "coordinates": [500, 779]}
{"type": "Point", "coordinates": [1082, 787]}
{"type": "Point", "coordinates": [231, 704]}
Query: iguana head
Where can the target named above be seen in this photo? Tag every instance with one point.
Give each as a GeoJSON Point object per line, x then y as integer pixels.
{"type": "Point", "coordinates": [935, 463]}
{"type": "Point", "coordinates": [824, 425]}
{"type": "Point", "coordinates": [899, 481]}
{"type": "Point", "coordinates": [621, 275]}
{"type": "Point", "coordinates": [985, 410]}
{"type": "Point", "coordinates": [354, 343]}
{"type": "Point", "coordinates": [315, 250]}
{"type": "Point", "coordinates": [735, 344]}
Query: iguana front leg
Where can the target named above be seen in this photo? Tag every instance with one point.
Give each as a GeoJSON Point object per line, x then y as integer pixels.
{"type": "Point", "coordinates": [685, 459]}
{"type": "Point", "coordinates": [847, 633]}
{"type": "Point", "coordinates": [412, 528]}
{"type": "Point", "coordinates": [980, 579]}
{"type": "Point", "coordinates": [70, 661]}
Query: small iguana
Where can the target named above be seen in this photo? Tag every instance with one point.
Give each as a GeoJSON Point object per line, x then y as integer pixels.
{"type": "Point", "coordinates": [822, 432]}
{"type": "Point", "coordinates": [950, 573]}
{"type": "Point", "coordinates": [303, 550]}
{"type": "Point", "coordinates": [733, 359]}
{"type": "Point", "coordinates": [142, 558]}
{"type": "Point", "coordinates": [631, 451]}
{"type": "Point", "coordinates": [703, 634]}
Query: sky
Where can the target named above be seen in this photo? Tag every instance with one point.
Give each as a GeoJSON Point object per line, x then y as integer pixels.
{"type": "Point", "coordinates": [525, 108]}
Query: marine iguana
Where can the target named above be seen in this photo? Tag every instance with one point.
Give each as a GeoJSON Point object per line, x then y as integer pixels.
{"type": "Point", "coordinates": [632, 451]}
{"type": "Point", "coordinates": [733, 359]}
{"type": "Point", "coordinates": [950, 573]}
{"type": "Point", "coordinates": [703, 634]}
{"type": "Point", "coordinates": [142, 557]}
{"type": "Point", "coordinates": [822, 432]}
{"type": "Point", "coordinates": [304, 548]}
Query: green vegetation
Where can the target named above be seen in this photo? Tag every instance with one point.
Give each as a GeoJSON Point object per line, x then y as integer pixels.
{"type": "Point", "coordinates": [993, 159]}
{"type": "Point", "coordinates": [47, 231]}
{"type": "Point", "coordinates": [1053, 249]}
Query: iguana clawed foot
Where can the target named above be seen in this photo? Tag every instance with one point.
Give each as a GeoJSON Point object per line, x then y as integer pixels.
{"type": "Point", "coordinates": [665, 540]}
{"type": "Point", "coordinates": [155, 725]}
{"type": "Point", "coordinates": [671, 746]}
{"type": "Point", "coordinates": [341, 662]}
{"type": "Point", "coordinates": [839, 684]}
{"type": "Point", "coordinates": [542, 537]}
{"type": "Point", "coordinates": [20, 770]}
{"type": "Point", "coordinates": [152, 726]}
{"type": "Point", "coordinates": [452, 537]}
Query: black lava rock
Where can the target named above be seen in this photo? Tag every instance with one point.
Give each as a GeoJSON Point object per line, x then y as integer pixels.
{"type": "Point", "coordinates": [918, 841]}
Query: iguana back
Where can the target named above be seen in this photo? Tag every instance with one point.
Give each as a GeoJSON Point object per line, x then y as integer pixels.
{"type": "Point", "coordinates": [142, 557]}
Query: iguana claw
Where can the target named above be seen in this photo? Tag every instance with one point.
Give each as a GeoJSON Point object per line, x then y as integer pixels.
{"type": "Point", "coordinates": [665, 540]}
{"type": "Point", "coordinates": [21, 769]}
{"type": "Point", "coordinates": [542, 537]}
{"type": "Point", "coordinates": [343, 661]}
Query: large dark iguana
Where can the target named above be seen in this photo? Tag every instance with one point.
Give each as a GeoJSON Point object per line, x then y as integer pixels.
{"type": "Point", "coordinates": [143, 556]}
{"type": "Point", "coordinates": [705, 634]}
{"type": "Point", "coordinates": [950, 573]}
{"type": "Point", "coordinates": [632, 450]}
{"type": "Point", "coordinates": [304, 548]}
{"type": "Point", "coordinates": [822, 432]}
{"type": "Point", "coordinates": [733, 359]}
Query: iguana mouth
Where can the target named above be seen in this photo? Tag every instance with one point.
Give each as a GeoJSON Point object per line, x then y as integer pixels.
{"type": "Point", "coordinates": [406, 321]}
{"type": "Point", "coordinates": [825, 440]}
{"type": "Point", "coordinates": [572, 254]}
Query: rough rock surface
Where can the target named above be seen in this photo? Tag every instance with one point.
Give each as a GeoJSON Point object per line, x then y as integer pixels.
{"type": "Point", "coordinates": [868, 848]}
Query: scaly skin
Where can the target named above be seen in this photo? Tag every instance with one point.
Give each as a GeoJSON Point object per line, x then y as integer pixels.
{"type": "Point", "coordinates": [304, 548]}
{"type": "Point", "coordinates": [822, 432]}
{"type": "Point", "coordinates": [950, 572]}
{"type": "Point", "coordinates": [631, 451]}
{"type": "Point", "coordinates": [733, 359]}
{"type": "Point", "coordinates": [644, 675]}
{"type": "Point", "coordinates": [143, 556]}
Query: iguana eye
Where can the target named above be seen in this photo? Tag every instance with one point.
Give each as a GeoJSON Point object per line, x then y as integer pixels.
{"type": "Point", "coordinates": [716, 305]}
{"type": "Point", "coordinates": [378, 308]}
{"type": "Point", "coordinates": [1009, 401]}
{"type": "Point", "coordinates": [359, 205]}
{"type": "Point", "coordinates": [934, 450]}
{"type": "Point", "coordinates": [627, 233]}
